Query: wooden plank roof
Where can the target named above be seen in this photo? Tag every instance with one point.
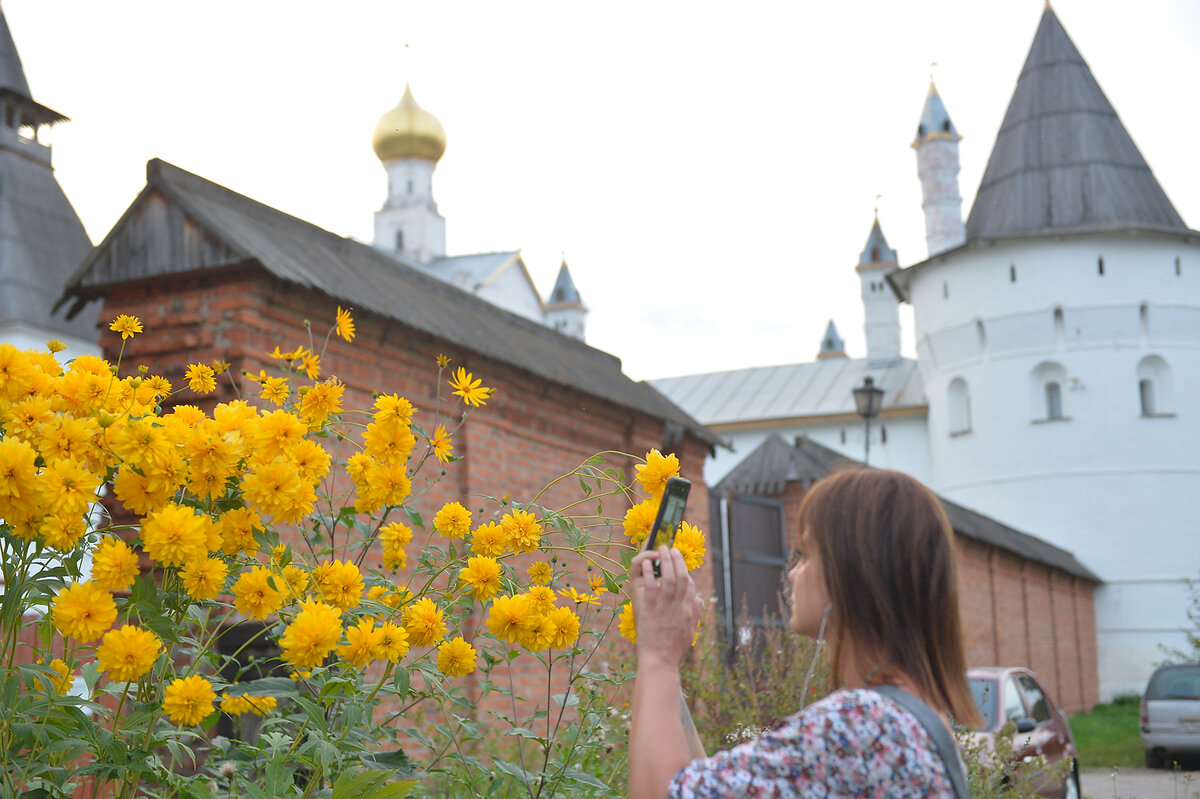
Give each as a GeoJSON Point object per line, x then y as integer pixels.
{"type": "Point", "coordinates": [774, 463]}
{"type": "Point", "coordinates": [240, 229]}
{"type": "Point", "coordinates": [1063, 161]}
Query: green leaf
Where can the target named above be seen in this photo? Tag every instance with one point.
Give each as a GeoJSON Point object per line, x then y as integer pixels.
{"type": "Point", "coordinates": [585, 778]}
{"type": "Point", "coordinates": [414, 518]}
{"type": "Point", "coordinates": [512, 770]}
{"type": "Point", "coordinates": [402, 680]}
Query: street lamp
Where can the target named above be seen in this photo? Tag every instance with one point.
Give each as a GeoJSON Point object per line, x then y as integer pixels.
{"type": "Point", "coordinates": [867, 400]}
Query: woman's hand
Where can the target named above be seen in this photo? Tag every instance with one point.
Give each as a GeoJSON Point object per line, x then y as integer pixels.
{"type": "Point", "coordinates": [666, 610]}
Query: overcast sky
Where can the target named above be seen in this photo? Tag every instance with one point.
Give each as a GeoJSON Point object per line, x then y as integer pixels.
{"type": "Point", "coordinates": [710, 170]}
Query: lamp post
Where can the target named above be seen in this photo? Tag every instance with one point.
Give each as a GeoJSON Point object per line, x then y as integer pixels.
{"type": "Point", "coordinates": [867, 400]}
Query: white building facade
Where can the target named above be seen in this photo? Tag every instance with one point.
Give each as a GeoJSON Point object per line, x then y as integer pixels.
{"type": "Point", "coordinates": [1058, 344]}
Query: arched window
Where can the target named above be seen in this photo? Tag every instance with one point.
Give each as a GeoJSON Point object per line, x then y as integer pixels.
{"type": "Point", "coordinates": [1049, 400]}
{"type": "Point", "coordinates": [958, 407]}
{"type": "Point", "coordinates": [399, 240]}
{"type": "Point", "coordinates": [1156, 393]}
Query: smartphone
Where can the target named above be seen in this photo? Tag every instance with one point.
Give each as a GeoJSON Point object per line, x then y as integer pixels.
{"type": "Point", "coordinates": [670, 515]}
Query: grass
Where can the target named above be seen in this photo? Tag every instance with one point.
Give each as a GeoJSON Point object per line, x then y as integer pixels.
{"type": "Point", "coordinates": [1108, 735]}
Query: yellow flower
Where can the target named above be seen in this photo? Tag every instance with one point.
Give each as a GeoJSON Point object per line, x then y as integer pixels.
{"type": "Point", "coordinates": [395, 537]}
{"type": "Point", "coordinates": [128, 652]}
{"type": "Point", "coordinates": [237, 531]}
{"type": "Point", "coordinates": [488, 540]}
{"type": "Point", "coordinates": [441, 444]}
{"type": "Point", "coordinates": [469, 389]}
{"type": "Point", "coordinates": [540, 635]}
{"type": "Point", "coordinates": [443, 360]}
{"type": "Point", "coordinates": [362, 641]}
{"type": "Point", "coordinates": [188, 700]}
{"type": "Point", "coordinates": [626, 624]}
{"type": "Point", "coordinates": [220, 366]}
{"type": "Point", "coordinates": [83, 611]}
{"type": "Point", "coordinates": [238, 704]}
{"type": "Point", "coordinates": [482, 577]}
{"type": "Point", "coordinates": [54, 345]}
{"type": "Point", "coordinates": [322, 401]}
{"type": "Point", "coordinates": [344, 324]}
{"type": "Point", "coordinates": [126, 325]}
{"type": "Point", "coordinates": [391, 408]}
{"type": "Point", "coordinates": [114, 564]}
{"type": "Point", "coordinates": [204, 578]}
{"type": "Point", "coordinates": [340, 583]}
{"type": "Point", "coordinates": [424, 622]}
{"type": "Point", "coordinates": [566, 627]}
{"type": "Point", "coordinates": [690, 543]}
{"type": "Point", "coordinates": [253, 595]}
{"type": "Point", "coordinates": [540, 573]}
{"type": "Point", "coordinates": [275, 390]}
{"type": "Point", "coordinates": [456, 658]}
{"type": "Point", "coordinates": [639, 519]}
{"type": "Point", "coordinates": [652, 475]}
{"type": "Point", "coordinates": [313, 634]}
{"type": "Point", "coordinates": [175, 535]}
{"type": "Point", "coordinates": [596, 583]}
{"type": "Point", "coordinates": [201, 378]}
{"type": "Point", "coordinates": [296, 581]}
{"type": "Point", "coordinates": [65, 678]}
{"type": "Point", "coordinates": [159, 386]}
{"type": "Point", "coordinates": [511, 617]}
{"type": "Point", "coordinates": [578, 598]}
{"type": "Point", "coordinates": [522, 531]}
{"type": "Point", "coordinates": [310, 362]}
{"type": "Point", "coordinates": [453, 520]}
{"type": "Point", "coordinates": [541, 597]}
{"type": "Point", "coordinates": [392, 642]}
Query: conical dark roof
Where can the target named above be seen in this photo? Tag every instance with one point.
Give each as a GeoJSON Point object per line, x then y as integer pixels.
{"type": "Point", "coordinates": [12, 76]}
{"type": "Point", "coordinates": [877, 250]}
{"type": "Point", "coordinates": [564, 290]}
{"type": "Point", "coordinates": [1062, 160]}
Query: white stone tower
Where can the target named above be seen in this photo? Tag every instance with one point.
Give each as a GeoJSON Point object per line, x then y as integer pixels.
{"type": "Point", "coordinates": [881, 306]}
{"type": "Point", "coordinates": [1057, 345]}
{"type": "Point", "coordinates": [409, 141]}
{"type": "Point", "coordinates": [937, 166]}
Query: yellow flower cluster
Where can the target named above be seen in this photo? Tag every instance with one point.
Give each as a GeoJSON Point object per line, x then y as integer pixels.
{"type": "Point", "coordinates": [533, 621]}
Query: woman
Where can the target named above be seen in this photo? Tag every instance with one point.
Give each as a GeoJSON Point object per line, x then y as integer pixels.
{"type": "Point", "coordinates": [877, 577]}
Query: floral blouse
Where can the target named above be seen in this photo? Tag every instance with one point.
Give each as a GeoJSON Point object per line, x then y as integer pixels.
{"type": "Point", "coordinates": [852, 743]}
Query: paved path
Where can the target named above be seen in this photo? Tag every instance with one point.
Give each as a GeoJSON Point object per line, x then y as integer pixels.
{"type": "Point", "coordinates": [1140, 783]}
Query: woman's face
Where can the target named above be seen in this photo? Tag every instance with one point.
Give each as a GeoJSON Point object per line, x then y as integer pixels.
{"type": "Point", "coordinates": [809, 594]}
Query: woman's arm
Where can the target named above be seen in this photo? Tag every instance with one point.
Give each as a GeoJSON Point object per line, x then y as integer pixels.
{"type": "Point", "coordinates": [661, 739]}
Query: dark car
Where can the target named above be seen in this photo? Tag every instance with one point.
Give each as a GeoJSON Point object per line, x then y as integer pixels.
{"type": "Point", "coordinates": [1016, 695]}
{"type": "Point", "coordinates": [1170, 714]}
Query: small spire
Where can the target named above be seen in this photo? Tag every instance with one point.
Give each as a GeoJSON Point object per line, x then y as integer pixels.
{"type": "Point", "coordinates": [832, 345]}
{"type": "Point", "coordinates": [1047, 7]}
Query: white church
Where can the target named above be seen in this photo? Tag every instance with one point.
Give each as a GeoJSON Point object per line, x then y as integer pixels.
{"type": "Point", "coordinates": [1058, 355]}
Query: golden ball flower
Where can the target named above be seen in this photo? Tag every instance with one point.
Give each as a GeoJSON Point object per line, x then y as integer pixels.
{"type": "Point", "coordinates": [188, 700]}
{"type": "Point", "coordinates": [128, 652]}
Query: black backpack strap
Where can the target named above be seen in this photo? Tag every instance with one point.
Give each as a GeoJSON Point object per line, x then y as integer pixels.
{"type": "Point", "coordinates": [937, 732]}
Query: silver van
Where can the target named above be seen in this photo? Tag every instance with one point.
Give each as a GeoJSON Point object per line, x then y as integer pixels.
{"type": "Point", "coordinates": [1170, 715]}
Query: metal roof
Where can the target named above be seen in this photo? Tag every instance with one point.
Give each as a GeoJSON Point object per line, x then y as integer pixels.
{"type": "Point", "coordinates": [42, 242]}
{"type": "Point", "coordinates": [935, 119]}
{"type": "Point", "coordinates": [820, 388]}
{"type": "Point", "coordinates": [877, 250]}
{"type": "Point", "coordinates": [364, 278]}
{"type": "Point", "coordinates": [470, 271]}
{"type": "Point", "coordinates": [12, 76]}
{"type": "Point", "coordinates": [775, 463]}
{"type": "Point", "coordinates": [1063, 160]}
{"type": "Point", "coordinates": [564, 290]}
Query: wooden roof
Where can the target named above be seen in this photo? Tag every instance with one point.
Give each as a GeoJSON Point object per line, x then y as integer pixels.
{"type": "Point", "coordinates": [1063, 161]}
{"type": "Point", "coordinates": [775, 463]}
{"type": "Point", "coordinates": [224, 227]}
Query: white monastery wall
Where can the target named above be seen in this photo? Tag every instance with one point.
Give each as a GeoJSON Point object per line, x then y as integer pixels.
{"type": "Point", "coordinates": [1109, 482]}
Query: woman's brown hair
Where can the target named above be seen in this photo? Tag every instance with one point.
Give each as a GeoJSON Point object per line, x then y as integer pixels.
{"type": "Point", "coordinates": [887, 554]}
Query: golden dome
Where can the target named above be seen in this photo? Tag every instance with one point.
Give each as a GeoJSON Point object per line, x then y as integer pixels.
{"type": "Point", "coordinates": [409, 131]}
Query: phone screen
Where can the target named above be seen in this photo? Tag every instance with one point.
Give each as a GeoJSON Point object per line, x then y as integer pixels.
{"type": "Point", "coordinates": [671, 515]}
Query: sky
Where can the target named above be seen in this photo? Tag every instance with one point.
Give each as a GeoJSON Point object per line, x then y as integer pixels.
{"type": "Point", "coordinates": [710, 170]}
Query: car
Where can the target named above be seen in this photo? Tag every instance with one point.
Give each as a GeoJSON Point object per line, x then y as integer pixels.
{"type": "Point", "coordinates": [1170, 714]}
{"type": "Point", "coordinates": [1006, 693]}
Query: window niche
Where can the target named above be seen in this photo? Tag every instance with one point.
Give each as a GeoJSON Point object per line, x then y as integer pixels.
{"type": "Point", "coordinates": [958, 407]}
{"type": "Point", "coordinates": [1156, 392]}
{"type": "Point", "coordinates": [1049, 400]}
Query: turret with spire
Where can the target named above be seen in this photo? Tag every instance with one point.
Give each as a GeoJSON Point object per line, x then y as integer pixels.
{"type": "Point", "coordinates": [881, 306]}
{"type": "Point", "coordinates": [938, 166]}
{"type": "Point", "coordinates": [565, 311]}
{"type": "Point", "coordinates": [409, 141]}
